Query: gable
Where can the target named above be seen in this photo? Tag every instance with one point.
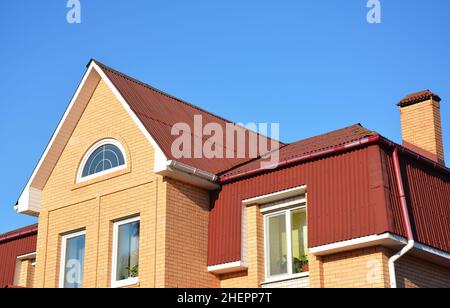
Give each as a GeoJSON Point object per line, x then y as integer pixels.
{"type": "Point", "coordinates": [159, 112]}
{"type": "Point", "coordinates": [30, 199]}
{"type": "Point", "coordinates": [154, 113]}
{"type": "Point", "coordinates": [103, 118]}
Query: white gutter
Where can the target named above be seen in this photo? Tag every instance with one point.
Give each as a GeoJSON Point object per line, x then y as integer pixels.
{"type": "Point", "coordinates": [411, 242]}
{"type": "Point", "coordinates": [191, 170]}
{"type": "Point", "coordinates": [394, 258]}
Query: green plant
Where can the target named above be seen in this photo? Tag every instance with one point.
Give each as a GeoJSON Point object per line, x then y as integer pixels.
{"type": "Point", "coordinates": [297, 265]}
{"type": "Point", "coordinates": [133, 272]}
{"type": "Point", "coordinates": [304, 260]}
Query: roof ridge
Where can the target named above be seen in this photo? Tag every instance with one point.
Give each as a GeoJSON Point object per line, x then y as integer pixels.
{"type": "Point", "coordinates": [252, 160]}
{"type": "Point", "coordinates": [334, 131]}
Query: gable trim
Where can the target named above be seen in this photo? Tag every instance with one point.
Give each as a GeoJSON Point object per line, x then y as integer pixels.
{"type": "Point", "coordinates": [29, 202]}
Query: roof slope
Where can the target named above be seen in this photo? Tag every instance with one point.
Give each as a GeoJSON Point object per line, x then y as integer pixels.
{"type": "Point", "coordinates": [18, 233]}
{"type": "Point", "coordinates": [309, 146]}
{"type": "Point", "coordinates": [159, 112]}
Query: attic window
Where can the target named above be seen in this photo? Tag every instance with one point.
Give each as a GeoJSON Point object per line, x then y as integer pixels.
{"type": "Point", "coordinates": [104, 157]}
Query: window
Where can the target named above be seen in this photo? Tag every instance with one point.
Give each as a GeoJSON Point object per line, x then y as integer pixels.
{"type": "Point", "coordinates": [104, 157]}
{"type": "Point", "coordinates": [72, 260]}
{"type": "Point", "coordinates": [286, 242]}
{"type": "Point", "coordinates": [125, 269]}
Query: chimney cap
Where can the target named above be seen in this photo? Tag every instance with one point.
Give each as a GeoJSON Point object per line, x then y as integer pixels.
{"type": "Point", "coordinates": [418, 97]}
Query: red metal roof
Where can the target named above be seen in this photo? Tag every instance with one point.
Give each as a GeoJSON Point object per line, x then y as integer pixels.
{"type": "Point", "coordinates": [308, 146]}
{"type": "Point", "coordinates": [427, 193]}
{"type": "Point", "coordinates": [343, 201]}
{"type": "Point", "coordinates": [418, 97]}
{"type": "Point", "coordinates": [13, 244]}
{"type": "Point", "coordinates": [350, 194]}
{"type": "Point", "coordinates": [159, 112]}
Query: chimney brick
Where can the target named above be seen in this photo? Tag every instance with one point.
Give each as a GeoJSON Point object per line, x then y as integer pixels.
{"type": "Point", "coordinates": [421, 124]}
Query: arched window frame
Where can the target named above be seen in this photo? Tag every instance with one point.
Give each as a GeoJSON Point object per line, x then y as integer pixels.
{"type": "Point", "coordinates": [81, 179]}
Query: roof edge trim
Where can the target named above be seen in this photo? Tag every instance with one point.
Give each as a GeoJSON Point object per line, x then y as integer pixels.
{"type": "Point", "coordinates": [387, 239]}
{"type": "Point", "coordinates": [28, 203]}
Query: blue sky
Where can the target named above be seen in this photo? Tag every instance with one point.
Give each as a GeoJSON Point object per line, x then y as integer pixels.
{"type": "Point", "coordinates": [311, 65]}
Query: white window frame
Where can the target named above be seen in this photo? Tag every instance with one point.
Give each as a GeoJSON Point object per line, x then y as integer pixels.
{"type": "Point", "coordinates": [62, 265]}
{"type": "Point", "coordinates": [130, 281]}
{"type": "Point", "coordinates": [277, 210]}
{"type": "Point", "coordinates": [81, 179]}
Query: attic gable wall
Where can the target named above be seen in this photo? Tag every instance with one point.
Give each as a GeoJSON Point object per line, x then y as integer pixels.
{"type": "Point", "coordinates": [104, 117]}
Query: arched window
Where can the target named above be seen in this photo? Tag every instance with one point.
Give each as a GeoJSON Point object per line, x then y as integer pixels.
{"type": "Point", "coordinates": [104, 157]}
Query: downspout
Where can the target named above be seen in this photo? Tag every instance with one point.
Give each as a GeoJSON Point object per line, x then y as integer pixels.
{"type": "Point", "coordinates": [410, 245]}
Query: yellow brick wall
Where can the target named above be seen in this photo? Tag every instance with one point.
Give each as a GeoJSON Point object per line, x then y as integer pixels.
{"type": "Point", "coordinates": [364, 268]}
{"type": "Point", "coordinates": [187, 237]}
{"type": "Point", "coordinates": [174, 220]}
{"type": "Point", "coordinates": [26, 277]}
{"type": "Point", "coordinates": [413, 272]}
{"type": "Point", "coordinates": [94, 205]}
{"type": "Point", "coordinates": [421, 126]}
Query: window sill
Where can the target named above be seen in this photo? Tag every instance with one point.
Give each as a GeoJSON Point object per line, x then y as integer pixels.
{"type": "Point", "coordinates": [125, 283]}
{"type": "Point", "coordinates": [102, 178]}
{"type": "Point", "coordinates": [285, 278]}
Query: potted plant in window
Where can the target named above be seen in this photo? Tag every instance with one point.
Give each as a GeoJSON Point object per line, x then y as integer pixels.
{"type": "Point", "coordinates": [301, 265]}
{"type": "Point", "coordinates": [297, 263]}
{"type": "Point", "coordinates": [133, 271]}
{"type": "Point", "coordinates": [304, 264]}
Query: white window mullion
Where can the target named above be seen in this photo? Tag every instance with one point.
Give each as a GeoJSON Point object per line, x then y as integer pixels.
{"type": "Point", "coordinates": [117, 282]}
{"type": "Point", "coordinates": [289, 242]}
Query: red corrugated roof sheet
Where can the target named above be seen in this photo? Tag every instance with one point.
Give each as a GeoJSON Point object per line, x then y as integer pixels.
{"type": "Point", "coordinates": [13, 244]}
{"type": "Point", "coordinates": [159, 112]}
{"type": "Point", "coordinates": [350, 195]}
{"type": "Point", "coordinates": [309, 146]}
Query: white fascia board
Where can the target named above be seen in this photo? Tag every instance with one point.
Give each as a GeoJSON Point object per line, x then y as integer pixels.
{"type": "Point", "coordinates": [29, 201]}
{"type": "Point", "coordinates": [276, 196]}
{"type": "Point", "coordinates": [28, 256]}
{"type": "Point", "coordinates": [388, 240]}
{"type": "Point", "coordinates": [23, 205]}
{"type": "Point", "coordinates": [227, 268]}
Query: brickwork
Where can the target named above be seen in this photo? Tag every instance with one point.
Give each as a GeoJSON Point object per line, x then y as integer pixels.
{"type": "Point", "coordinates": [187, 237]}
{"type": "Point", "coordinates": [174, 219]}
{"type": "Point", "coordinates": [421, 127]}
{"type": "Point", "coordinates": [26, 277]}
{"type": "Point", "coordinates": [413, 272]}
{"type": "Point", "coordinates": [96, 204]}
{"type": "Point", "coordinates": [365, 268]}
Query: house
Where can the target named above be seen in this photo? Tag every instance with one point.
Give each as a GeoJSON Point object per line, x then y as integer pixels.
{"type": "Point", "coordinates": [117, 207]}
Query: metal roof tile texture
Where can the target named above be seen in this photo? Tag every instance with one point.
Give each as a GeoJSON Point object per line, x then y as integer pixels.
{"type": "Point", "coordinates": [13, 244]}
{"type": "Point", "coordinates": [159, 112]}
{"type": "Point", "coordinates": [428, 197]}
{"type": "Point", "coordinates": [311, 145]}
{"type": "Point", "coordinates": [342, 195]}
{"type": "Point", "coordinates": [349, 195]}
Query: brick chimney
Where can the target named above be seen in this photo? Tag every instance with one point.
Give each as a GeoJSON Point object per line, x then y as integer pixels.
{"type": "Point", "coordinates": [421, 124]}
